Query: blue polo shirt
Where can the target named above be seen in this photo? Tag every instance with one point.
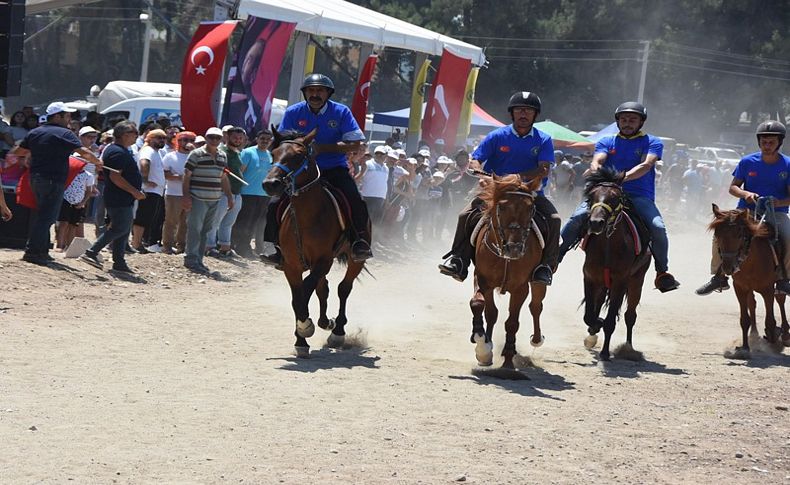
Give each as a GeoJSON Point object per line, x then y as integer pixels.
{"type": "Point", "coordinates": [258, 163]}
{"type": "Point", "coordinates": [763, 178]}
{"type": "Point", "coordinates": [623, 154]}
{"type": "Point", "coordinates": [335, 123]}
{"type": "Point", "coordinates": [504, 152]}
{"type": "Point", "coordinates": [50, 146]}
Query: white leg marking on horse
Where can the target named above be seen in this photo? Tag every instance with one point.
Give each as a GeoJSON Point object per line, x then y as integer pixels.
{"type": "Point", "coordinates": [590, 341]}
{"type": "Point", "coordinates": [532, 342]}
{"type": "Point", "coordinates": [484, 351]}
{"type": "Point", "coordinates": [305, 329]}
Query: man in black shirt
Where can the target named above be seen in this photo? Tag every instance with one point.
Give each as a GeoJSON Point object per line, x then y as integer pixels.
{"type": "Point", "coordinates": [122, 189]}
{"type": "Point", "coordinates": [49, 147]}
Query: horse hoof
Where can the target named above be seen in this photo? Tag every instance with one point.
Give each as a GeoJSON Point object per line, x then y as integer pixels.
{"type": "Point", "coordinates": [302, 352]}
{"type": "Point", "coordinates": [590, 341]}
{"type": "Point", "coordinates": [536, 344]}
{"type": "Point", "coordinates": [605, 356]}
{"type": "Point", "coordinates": [484, 351]}
{"type": "Point", "coordinates": [331, 325]}
{"type": "Point", "coordinates": [739, 353]}
{"type": "Point", "coordinates": [335, 341]}
{"type": "Point", "coordinates": [305, 329]}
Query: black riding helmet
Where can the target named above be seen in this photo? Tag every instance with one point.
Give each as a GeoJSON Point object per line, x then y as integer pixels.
{"type": "Point", "coordinates": [524, 98]}
{"type": "Point", "coordinates": [631, 107]}
{"type": "Point", "coordinates": [772, 127]}
{"type": "Point", "coordinates": [317, 79]}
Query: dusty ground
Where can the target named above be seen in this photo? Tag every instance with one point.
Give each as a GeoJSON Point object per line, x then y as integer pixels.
{"type": "Point", "coordinates": [176, 378]}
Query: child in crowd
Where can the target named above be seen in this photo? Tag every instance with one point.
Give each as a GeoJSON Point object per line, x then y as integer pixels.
{"type": "Point", "coordinates": [72, 211]}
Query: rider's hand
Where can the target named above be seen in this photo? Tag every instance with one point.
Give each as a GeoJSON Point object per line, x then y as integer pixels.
{"type": "Point", "coordinates": [750, 197]}
{"type": "Point", "coordinates": [475, 165]}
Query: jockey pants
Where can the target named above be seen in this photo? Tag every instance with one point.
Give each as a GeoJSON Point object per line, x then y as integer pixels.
{"type": "Point", "coordinates": [340, 179]}
{"type": "Point", "coordinates": [647, 211]}
{"type": "Point", "coordinates": [471, 214]}
{"type": "Point", "coordinates": [783, 229]}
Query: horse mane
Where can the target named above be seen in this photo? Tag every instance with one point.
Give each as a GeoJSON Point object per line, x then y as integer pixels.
{"type": "Point", "coordinates": [286, 135]}
{"type": "Point", "coordinates": [494, 191]}
{"type": "Point", "coordinates": [734, 217]}
{"type": "Point", "coordinates": [600, 176]}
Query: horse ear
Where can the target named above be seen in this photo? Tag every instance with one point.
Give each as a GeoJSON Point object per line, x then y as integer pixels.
{"type": "Point", "coordinates": [310, 136]}
{"type": "Point", "coordinates": [716, 211]}
{"type": "Point", "coordinates": [276, 135]}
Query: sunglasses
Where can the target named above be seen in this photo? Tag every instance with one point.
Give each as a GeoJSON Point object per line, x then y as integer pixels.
{"type": "Point", "coordinates": [213, 137]}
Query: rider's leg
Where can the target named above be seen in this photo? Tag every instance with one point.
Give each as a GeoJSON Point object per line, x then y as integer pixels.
{"type": "Point", "coordinates": [783, 228]}
{"type": "Point", "coordinates": [271, 233]}
{"type": "Point", "coordinates": [719, 280]}
{"type": "Point", "coordinates": [341, 179]}
{"type": "Point", "coordinates": [549, 259]}
{"type": "Point", "coordinates": [572, 230]}
{"type": "Point", "coordinates": [462, 252]}
{"type": "Point", "coordinates": [648, 212]}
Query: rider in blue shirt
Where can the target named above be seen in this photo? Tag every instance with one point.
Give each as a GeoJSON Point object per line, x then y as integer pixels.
{"type": "Point", "coordinates": [518, 148]}
{"type": "Point", "coordinates": [338, 133]}
{"type": "Point", "coordinates": [635, 153]}
{"type": "Point", "coordinates": [762, 174]}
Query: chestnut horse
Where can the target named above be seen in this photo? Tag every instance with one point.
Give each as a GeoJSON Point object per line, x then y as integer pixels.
{"type": "Point", "coordinates": [311, 237]}
{"type": "Point", "coordinates": [613, 267]}
{"type": "Point", "coordinates": [507, 251]}
{"type": "Point", "coordinates": [746, 254]}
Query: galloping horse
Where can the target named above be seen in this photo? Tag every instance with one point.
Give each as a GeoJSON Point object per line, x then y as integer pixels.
{"type": "Point", "coordinates": [311, 236]}
{"type": "Point", "coordinates": [746, 254]}
{"type": "Point", "coordinates": [507, 252]}
{"type": "Point", "coordinates": [614, 267]}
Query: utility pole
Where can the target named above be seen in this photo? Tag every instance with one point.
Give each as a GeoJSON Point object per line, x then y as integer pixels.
{"type": "Point", "coordinates": [643, 77]}
{"type": "Point", "coordinates": [147, 18]}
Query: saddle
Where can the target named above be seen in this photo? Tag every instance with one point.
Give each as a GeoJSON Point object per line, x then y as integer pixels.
{"type": "Point", "coordinates": [339, 201]}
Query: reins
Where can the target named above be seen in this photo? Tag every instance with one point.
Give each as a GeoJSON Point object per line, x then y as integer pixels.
{"type": "Point", "coordinates": [291, 174]}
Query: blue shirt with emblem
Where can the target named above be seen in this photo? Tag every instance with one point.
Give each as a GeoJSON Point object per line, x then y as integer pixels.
{"type": "Point", "coordinates": [335, 123]}
{"type": "Point", "coordinates": [764, 179]}
{"type": "Point", "coordinates": [625, 153]}
{"type": "Point", "coordinates": [504, 152]}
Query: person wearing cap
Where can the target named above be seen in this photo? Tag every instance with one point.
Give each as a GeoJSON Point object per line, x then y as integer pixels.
{"type": "Point", "coordinates": [225, 217]}
{"type": "Point", "coordinates": [49, 147]}
{"type": "Point", "coordinates": [518, 148]}
{"type": "Point", "coordinates": [337, 134]}
{"type": "Point", "coordinates": [761, 174]}
{"type": "Point", "coordinates": [373, 180]}
{"type": "Point", "coordinates": [148, 220]}
{"type": "Point", "coordinates": [634, 152]}
{"type": "Point", "coordinates": [205, 183]}
{"type": "Point", "coordinates": [174, 229]}
{"type": "Point", "coordinates": [200, 141]}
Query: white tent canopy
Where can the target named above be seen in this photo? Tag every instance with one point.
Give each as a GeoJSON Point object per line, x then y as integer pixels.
{"type": "Point", "coordinates": [344, 20]}
{"type": "Point", "coordinates": [38, 6]}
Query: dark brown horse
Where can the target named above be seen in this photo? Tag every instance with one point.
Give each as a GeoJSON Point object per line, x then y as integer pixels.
{"type": "Point", "coordinates": [746, 254]}
{"type": "Point", "coordinates": [614, 268]}
{"type": "Point", "coordinates": [507, 251]}
{"type": "Point", "coordinates": [311, 237]}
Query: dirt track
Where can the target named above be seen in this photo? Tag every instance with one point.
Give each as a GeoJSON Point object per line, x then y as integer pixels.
{"type": "Point", "coordinates": [190, 380]}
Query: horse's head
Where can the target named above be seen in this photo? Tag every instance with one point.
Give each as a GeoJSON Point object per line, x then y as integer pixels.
{"type": "Point", "coordinates": [733, 231]}
{"type": "Point", "coordinates": [510, 205]}
{"type": "Point", "coordinates": [292, 158]}
{"type": "Point", "coordinates": [604, 194]}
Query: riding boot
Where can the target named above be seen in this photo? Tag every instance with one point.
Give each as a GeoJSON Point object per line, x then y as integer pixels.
{"type": "Point", "coordinates": [271, 233]}
{"type": "Point", "coordinates": [719, 282]}
{"type": "Point", "coordinates": [551, 251]}
{"type": "Point", "coordinates": [457, 261]}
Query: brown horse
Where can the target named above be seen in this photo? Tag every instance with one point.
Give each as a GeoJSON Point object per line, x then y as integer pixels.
{"type": "Point", "coordinates": [507, 251]}
{"type": "Point", "coordinates": [746, 254]}
{"type": "Point", "coordinates": [311, 237]}
{"type": "Point", "coordinates": [613, 267]}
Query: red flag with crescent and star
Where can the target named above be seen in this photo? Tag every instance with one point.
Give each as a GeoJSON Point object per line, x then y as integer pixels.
{"type": "Point", "coordinates": [443, 110]}
{"type": "Point", "coordinates": [359, 107]}
{"type": "Point", "coordinates": [203, 65]}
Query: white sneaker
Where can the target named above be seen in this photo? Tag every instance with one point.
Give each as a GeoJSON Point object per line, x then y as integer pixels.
{"type": "Point", "coordinates": [155, 248]}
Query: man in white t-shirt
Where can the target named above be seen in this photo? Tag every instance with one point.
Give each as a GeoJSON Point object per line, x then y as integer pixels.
{"type": "Point", "coordinates": [372, 179]}
{"type": "Point", "coordinates": [174, 232]}
{"type": "Point", "coordinates": [148, 218]}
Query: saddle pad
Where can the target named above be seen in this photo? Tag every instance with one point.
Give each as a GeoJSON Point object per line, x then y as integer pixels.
{"type": "Point", "coordinates": [338, 199]}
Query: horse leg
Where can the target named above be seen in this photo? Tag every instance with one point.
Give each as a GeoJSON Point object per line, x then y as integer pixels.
{"type": "Point", "coordinates": [616, 296]}
{"type": "Point", "coordinates": [751, 306]}
{"type": "Point", "coordinates": [634, 296]}
{"type": "Point", "coordinates": [511, 325]}
{"type": "Point", "coordinates": [592, 308]}
{"type": "Point", "coordinates": [305, 327]}
{"type": "Point", "coordinates": [780, 299]}
{"type": "Point", "coordinates": [294, 277]}
{"type": "Point", "coordinates": [484, 351]}
{"type": "Point", "coordinates": [771, 332]}
{"type": "Point", "coordinates": [322, 292]}
{"type": "Point", "coordinates": [536, 308]}
{"type": "Point", "coordinates": [746, 321]}
{"type": "Point", "coordinates": [338, 336]}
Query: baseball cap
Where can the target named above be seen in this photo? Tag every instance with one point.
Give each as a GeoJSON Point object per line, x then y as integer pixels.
{"type": "Point", "coordinates": [380, 149]}
{"type": "Point", "coordinates": [412, 161]}
{"type": "Point", "coordinates": [58, 107]}
{"type": "Point", "coordinates": [425, 152]}
{"type": "Point", "coordinates": [401, 152]}
{"type": "Point", "coordinates": [392, 154]}
{"type": "Point", "coordinates": [200, 139]}
{"type": "Point", "coordinates": [226, 128]}
{"type": "Point", "coordinates": [85, 130]}
{"type": "Point", "coordinates": [444, 159]}
{"type": "Point", "coordinates": [438, 174]}
{"type": "Point", "coordinates": [213, 131]}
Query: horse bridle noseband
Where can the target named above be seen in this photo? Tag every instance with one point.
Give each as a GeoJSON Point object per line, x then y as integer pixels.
{"type": "Point", "coordinates": [497, 247]}
{"type": "Point", "coordinates": [291, 174]}
{"type": "Point", "coordinates": [613, 212]}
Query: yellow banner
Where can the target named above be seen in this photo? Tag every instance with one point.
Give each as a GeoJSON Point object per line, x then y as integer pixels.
{"type": "Point", "coordinates": [465, 123]}
{"type": "Point", "coordinates": [309, 59]}
{"type": "Point", "coordinates": [418, 92]}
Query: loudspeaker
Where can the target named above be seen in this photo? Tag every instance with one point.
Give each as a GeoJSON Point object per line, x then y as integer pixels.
{"type": "Point", "coordinates": [12, 37]}
{"type": "Point", "coordinates": [13, 234]}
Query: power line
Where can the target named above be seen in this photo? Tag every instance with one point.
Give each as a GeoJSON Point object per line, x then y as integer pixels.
{"type": "Point", "coordinates": [547, 58]}
{"type": "Point", "coordinates": [728, 54]}
{"type": "Point", "coordinates": [737, 64]}
{"type": "Point", "coordinates": [690, 66]}
{"type": "Point", "coordinates": [516, 39]}
{"type": "Point", "coordinates": [560, 49]}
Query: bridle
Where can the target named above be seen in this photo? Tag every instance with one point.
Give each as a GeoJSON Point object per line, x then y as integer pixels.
{"type": "Point", "coordinates": [740, 254]}
{"type": "Point", "coordinates": [497, 247]}
{"type": "Point", "coordinates": [290, 174]}
{"type": "Point", "coordinates": [613, 212]}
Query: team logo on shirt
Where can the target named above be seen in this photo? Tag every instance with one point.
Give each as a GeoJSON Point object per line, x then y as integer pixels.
{"type": "Point", "coordinates": [783, 175]}
{"type": "Point", "coordinates": [638, 152]}
{"type": "Point", "coordinates": [535, 151]}
{"type": "Point", "coordinates": [612, 151]}
{"type": "Point", "coordinates": [504, 149]}
{"type": "Point", "coordinates": [752, 174]}
{"type": "Point", "coordinates": [332, 123]}
{"type": "Point", "coordinates": [302, 123]}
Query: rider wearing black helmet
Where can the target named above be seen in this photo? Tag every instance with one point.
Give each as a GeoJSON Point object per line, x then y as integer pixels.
{"type": "Point", "coordinates": [338, 134]}
{"type": "Point", "coordinates": [762, 174]}
{"type": "Point", "coordinates": [635, 153]}
{"type": "Point", "coordinates": [518, 148]}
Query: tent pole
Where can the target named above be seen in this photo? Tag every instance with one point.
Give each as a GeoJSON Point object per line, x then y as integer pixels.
{"type": "Point", "coordinates": [297, 67]}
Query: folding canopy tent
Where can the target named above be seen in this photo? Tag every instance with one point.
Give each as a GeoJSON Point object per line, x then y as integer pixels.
{"type": "Point", "coordinates": [609, 130]}
{"type": "Point", "coordinates": [563, 137]}
{"type": "Point", "coordinates": [481, 121]}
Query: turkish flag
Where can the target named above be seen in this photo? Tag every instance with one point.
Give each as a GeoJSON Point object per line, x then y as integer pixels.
{"type": "Point", "coordinates": [359, 107]}
{"type": "Point", "coordinates": [24, 192]}
{"type": "Point", "coordinates": [443, 110]}
{"type": "Point", "coordinates": [203, 65]}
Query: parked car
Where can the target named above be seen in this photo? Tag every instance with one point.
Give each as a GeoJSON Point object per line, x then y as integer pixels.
{"type": "Point", "coordinates": [711, 155]}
